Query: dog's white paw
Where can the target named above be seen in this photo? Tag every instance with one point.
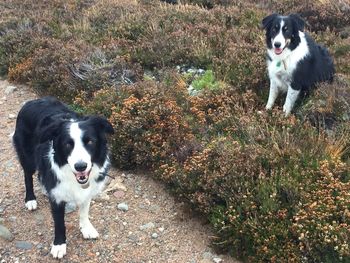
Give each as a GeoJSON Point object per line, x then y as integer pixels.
{"type": "Point", "coordinates": [268, 106]}
{"type": "Point", "coordinates": [31, 205]}
{"type": "Point", "coordinates": [88, 231]}
{"type": "Point", "coordinates": [58, 251]}
{"type": "Point", "coordinates": [287, 110]}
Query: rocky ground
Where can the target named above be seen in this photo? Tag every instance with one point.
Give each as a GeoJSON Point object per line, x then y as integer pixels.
{"type": "Point", "coordinates": [137, 218]}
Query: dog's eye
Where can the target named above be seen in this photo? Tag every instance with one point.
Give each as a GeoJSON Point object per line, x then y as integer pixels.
{"type": "Point", "coordinates": [285, 28]}
{"type": "Point", "coordinates": [69, 144]}
{"type": "Point", "coordinates": [88, 141]}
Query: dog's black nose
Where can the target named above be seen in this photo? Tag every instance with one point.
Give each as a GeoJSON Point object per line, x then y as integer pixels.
{"type": "Point", "coordinates": [80, 166]}
{"type": "Point", "coordinates": [277, 44]}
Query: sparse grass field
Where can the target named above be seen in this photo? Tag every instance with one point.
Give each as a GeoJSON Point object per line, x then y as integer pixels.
{"type": "Point", "coordinates": [275, 189]}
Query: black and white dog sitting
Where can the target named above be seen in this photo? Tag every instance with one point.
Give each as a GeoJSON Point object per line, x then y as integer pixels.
{"type": "Point", "coordinates": [71, 156]}
{"type": "Point", "coordinates": [295, 62]}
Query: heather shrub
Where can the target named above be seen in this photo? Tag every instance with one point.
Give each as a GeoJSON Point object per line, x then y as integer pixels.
{"type": "Point", "coordinates": [319, 15]}
{"type": "Point", "coordinates": [50, 72]}
{"type": "Point", "coordinates": [17, 43]}
{"type": "Point", "coordinates": [275, 189]}
{"type": "Point", "coordinates": [149, 122]}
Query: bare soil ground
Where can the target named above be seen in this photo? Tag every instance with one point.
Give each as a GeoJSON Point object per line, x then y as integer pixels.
{"type": "Point", "coordinates": [156, 227]}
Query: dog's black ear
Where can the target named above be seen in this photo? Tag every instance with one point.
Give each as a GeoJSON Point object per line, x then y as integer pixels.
{"type": "Point", "coordinates": [103, 124]}
{"type": "Point", "coordinates": [266, 22]}
{"type": "Point", "coordinates": [49, 132]}
{"type": "Point", "coordinates": [298, 21]}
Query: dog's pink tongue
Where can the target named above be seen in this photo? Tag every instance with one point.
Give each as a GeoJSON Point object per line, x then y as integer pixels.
{"type": "Point", "coordinates": [278, 51]}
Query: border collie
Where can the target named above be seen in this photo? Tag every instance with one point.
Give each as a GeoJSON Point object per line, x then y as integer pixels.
{"type": "Point", "coordinates": [71, 156]}
{"type": "Point", "coordinates": [295, 62]}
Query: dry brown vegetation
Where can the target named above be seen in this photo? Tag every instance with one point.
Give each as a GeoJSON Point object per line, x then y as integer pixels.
{"type": "Point", "coordinates": [274, 189]}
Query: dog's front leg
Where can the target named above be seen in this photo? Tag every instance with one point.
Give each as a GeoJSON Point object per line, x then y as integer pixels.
{"type": "Point", "coordinates": [86, 228]}
{"type": "Point", "coordinates": [292, 96]}
{"type": "Point", "coordinates": [59, 247]}
{"type": "Point", "coordinates": [272, 95]}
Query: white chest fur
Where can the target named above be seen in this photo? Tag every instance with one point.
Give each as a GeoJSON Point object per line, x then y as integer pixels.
{"type": "Point", "coordinates": [69, 190]}
{"type": "Point", "coordinates": [281, 67]}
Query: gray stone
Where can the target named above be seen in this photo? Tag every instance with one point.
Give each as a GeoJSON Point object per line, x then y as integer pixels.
{"type": "Point", "coordinates": [5, 233]}
{"type": "Point", "coordinates": [133, 238]}
{"type": "Point", "coordinates": [10, 89]}
{"type": "Point", "coordinates": [217, 260]}
{"type": "Point", "coordinates": [154, 235]}
{"type": "Point", "coordinates": [123, 207]}
{"type": "Point", "coordinates": [149, 225]}
{"type": "Point", "coordinates": [23, 245]}
{"type": "Point", "coordinates": [12, 116]}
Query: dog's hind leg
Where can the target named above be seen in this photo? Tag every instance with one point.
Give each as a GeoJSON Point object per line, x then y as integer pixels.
{"type": "Point", "coordinates": [26, 158]}
{"type": "Point", "coordinates": [30, 198]}
{"type": "Point", "coordinates": [86, 228]}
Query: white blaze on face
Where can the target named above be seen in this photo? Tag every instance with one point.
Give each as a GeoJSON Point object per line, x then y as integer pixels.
{"type": "Point", "coordinates": [279, 37]}
{"type": "Point", "coordinates": [79, 152]}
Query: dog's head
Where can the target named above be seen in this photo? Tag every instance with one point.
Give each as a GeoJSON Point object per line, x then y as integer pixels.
{"type": "Point", "coordinates": [282, 32]}
{"type": "Point", "coordinates": [79, 145]}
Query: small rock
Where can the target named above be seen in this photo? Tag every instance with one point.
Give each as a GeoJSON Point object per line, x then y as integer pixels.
{"type": "Point", "coordinates": [10, 89]}
{"type": "Point", "coordinates": [5, 233]}
{"type": "Point", "coordinates": [161, 229]}
{"type": "Point", "coordinates": [217, 260]}
{"type": "Point", "coordinates": [23, 245]}
{"type": "Point", "coordinates": [118, 194]}
{"type": "Point", "coordinates": [12, 116]}
{"type": "Point", "coordinates": [123, 207]}
{"type": "Point", "coordinates": [133, 238]}
{"type": "Point", "coordinates": [154, 235]}
{"type": "Point", "coordinates": [1, 209]}
{"type": "Point", "coordinates": [149, 225]}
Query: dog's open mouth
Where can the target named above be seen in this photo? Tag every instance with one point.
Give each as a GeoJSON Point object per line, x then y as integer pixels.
{"type": "Point", "coordinates": [278, 51]}
{"type": "Point", "coordinates": [82, 177]}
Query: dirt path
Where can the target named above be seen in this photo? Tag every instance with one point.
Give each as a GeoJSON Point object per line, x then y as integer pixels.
{"type": "Point", "coordinates": [155, 228]}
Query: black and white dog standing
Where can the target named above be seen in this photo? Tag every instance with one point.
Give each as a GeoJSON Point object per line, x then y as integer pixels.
{"type": "Point", "coordinates": [71, 156]}
{"type": "Point", "coordinates": [295, 62]}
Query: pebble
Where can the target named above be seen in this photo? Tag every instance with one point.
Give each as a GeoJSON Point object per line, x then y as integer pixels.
{"type": "Point", "coordinates": [161, 229]}
{"type": "Point", "coordinates": [133, 238]}
{"type": "Point", "coordinates": [154, 235]}
{"type": "Point", "coordinates": [5, 233]}
{"type": "Point", "coordinates": [1, 209]}
{"type": "Point", "coordinates": [123, 207]}
{"type": "Point", "coordinates": [118, 194]}
{"type": "Point", "coordinates": [23, 245]}
{"type": "Point", "coordinates": [12, 116]}
{"type": "Point", "coordinates": [149, 225]}
{"type": "Point", "coordinates": [217, 260]}
{"type": "Point", "coordinates": [10, 89]}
